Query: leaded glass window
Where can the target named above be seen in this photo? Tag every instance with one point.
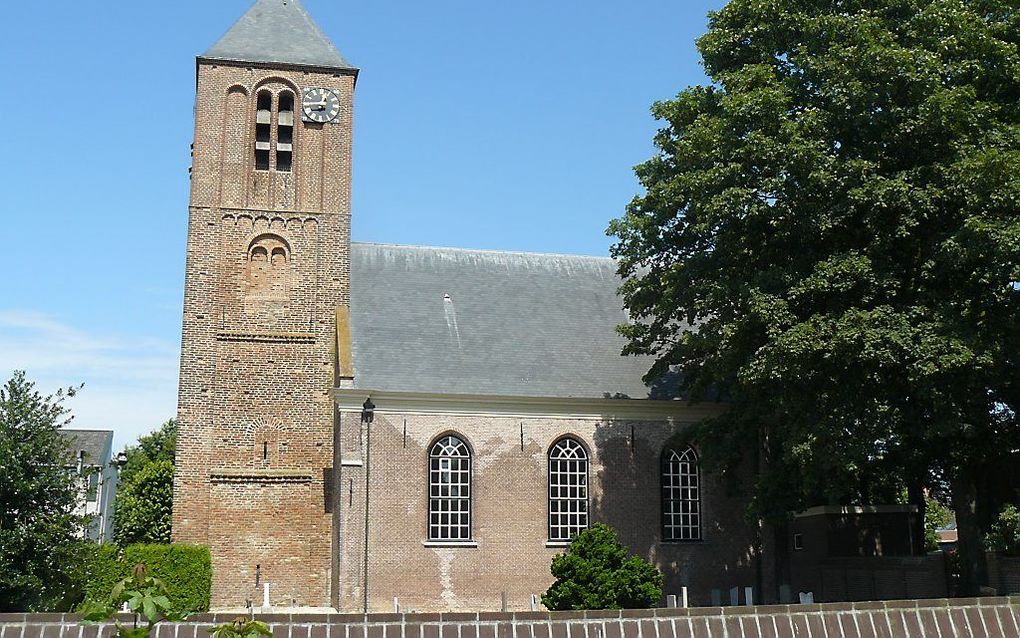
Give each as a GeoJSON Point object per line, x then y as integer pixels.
{"type": "Point", "coordinates": [568, 489]}
{"type": "Point", "coordinates": [449, 490]}
{"type": "Point", "coordinates": [681, 496]}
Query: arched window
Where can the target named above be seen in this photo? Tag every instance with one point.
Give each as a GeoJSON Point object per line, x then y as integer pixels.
{"type": "Point", "coordinates": [449, 490]}
{"type": "Point", "coordinates": [263, 122]}
{"type": "Point", "coordinates": [681, 496]}
{"type": "Point", "coordinates": [282, 142]}
{"type": "Point", "coordinates": [285, 132]}
{"type": "Point", "coordinates": [568, 489]}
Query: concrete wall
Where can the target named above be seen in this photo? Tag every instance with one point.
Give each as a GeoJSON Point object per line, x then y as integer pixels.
{"type": "Point", "coordinates": [961, 618]}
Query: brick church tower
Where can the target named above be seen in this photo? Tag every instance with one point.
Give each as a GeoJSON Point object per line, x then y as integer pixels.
{"type": "Point", "coordinates": [267, 276]}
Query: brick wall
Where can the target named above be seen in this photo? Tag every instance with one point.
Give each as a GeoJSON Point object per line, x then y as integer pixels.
{"type": "Point", "coordinates": [255, 417]}
{"type": "Point", "coordinates": [962, 618]}
{"type": "Point", "coordinates": [510, 511]}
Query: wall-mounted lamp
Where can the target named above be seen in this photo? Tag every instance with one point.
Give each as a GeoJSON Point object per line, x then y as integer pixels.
{"type": "Point", "coordinates": [367, 411]}
{"type": "Point", "coordinates": [121, 460]}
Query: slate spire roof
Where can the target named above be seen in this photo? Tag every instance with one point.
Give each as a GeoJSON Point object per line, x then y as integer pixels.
{"type": "Point", "coordinates": [277, 31]}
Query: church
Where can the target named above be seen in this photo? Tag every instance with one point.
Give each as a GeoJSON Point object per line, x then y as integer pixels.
{"type": "Point", "coordinates": [364, 425]}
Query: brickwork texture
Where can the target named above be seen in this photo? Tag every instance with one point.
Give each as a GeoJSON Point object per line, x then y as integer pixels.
{"type": "Point", "coordinates": [963, 618]}
{"type": "Point", "coordinates": [267, 265]}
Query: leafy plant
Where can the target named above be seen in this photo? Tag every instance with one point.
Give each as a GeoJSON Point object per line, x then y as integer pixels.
{"type": "Point", "coordinates": [596, 573]}
{"type": "Point", "coordinates": [143, 509]}
{"type": "Point", "coordinates": [936, 516]}
{"type": "Point", "coordinates": [39, 526]}
{"type": "Point", "coordinates": [241, 627]}
{"type": "Point", "coordinates": [143, 595]}
{"type": "Point", "coordinates": [1004, 536]}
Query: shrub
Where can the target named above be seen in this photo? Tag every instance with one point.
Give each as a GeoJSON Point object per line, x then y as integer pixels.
{"type": "Point", "coordinates": [596, 573]}
{"type": "Point", "coordinates": [186, 570]}
{"type": "Point", "coordinates": [936, 516]}
{"type": "Point", "coordinates": [99, 570]}
{"type": "Point", "coordinates": [1004, 536]}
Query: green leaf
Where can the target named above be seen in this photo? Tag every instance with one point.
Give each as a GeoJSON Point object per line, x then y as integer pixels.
{"type": "Point", "coordinates": [149, 608]}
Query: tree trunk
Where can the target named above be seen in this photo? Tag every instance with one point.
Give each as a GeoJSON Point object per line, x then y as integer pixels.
{"type": "Point", "coordinates": [970, 544]}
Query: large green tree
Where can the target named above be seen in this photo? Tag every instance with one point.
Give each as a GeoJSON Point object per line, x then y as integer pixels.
{"type": "Point", "coordinates": [143, 509]}
{"type": "Point", "coordinates": [836, 213]}
{"type": "Point", "coordinates": [39, 528]}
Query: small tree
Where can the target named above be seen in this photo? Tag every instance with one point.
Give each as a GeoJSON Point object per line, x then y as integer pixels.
{"type": "Point", "coordinates": [38, 498]}
{"type": "Point", "coordinates": [1004, 537]}
{"type": "Point", "coordinates": [596, 573]}
{"type": "Point", "coordinates": [144, 596]}
{"type": "Point", "coordinates": [143, 510]}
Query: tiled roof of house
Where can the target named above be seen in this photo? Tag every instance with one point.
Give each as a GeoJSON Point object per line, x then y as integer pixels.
{"type": "Point", "coordinates": [97, 445]}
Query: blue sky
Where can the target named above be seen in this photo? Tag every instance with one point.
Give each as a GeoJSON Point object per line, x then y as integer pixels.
{"type": "Point", "coordinates": [509, 125]}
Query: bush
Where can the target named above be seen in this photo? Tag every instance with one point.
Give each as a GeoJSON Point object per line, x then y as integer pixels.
{"type": "Point", "coordinates": [1004, 536]}
{"type": "Point", "coordinates": [186, 570]}
{"type": "Point", "coordinates": [936, 516]}
{"type": "Point", "coordinates": [596, 573]}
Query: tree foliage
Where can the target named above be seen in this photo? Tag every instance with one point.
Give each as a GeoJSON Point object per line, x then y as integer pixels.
{"type": "Point", "coordinates": [143, 509]}
{"type": "Point", "coordinates": [596, 573]}
{"type": "Point", "coordinates": [936, 516]}
{"type": "Point", "coordinates": [836, 213]}
{"type": "Point", "coordinates": [38, 498]}
{"type": "Point", "coordinates": [1004, 535]}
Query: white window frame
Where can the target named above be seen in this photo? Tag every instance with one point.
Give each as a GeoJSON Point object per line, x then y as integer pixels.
{"type": "Point", "coordinates": [680, 480]}
{"type": "Point", "coordinates": [568, 489]}
{"type": "Point", "coordinates": [449, 490]}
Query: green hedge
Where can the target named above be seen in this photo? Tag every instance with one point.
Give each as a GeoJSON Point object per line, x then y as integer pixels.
{"type": "Point", "coordinates": [186, 570]}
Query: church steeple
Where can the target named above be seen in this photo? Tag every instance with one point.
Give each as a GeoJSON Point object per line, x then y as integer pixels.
{"type": "Point", "coordinates": [277, 31]}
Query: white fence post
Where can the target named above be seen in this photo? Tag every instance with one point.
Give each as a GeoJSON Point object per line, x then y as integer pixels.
{"type": "Point", "coordinates": [683, 597]}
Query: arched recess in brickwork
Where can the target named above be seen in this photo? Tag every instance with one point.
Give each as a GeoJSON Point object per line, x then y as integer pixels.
{"type": "Point", "coordinates": [268, 267]}
{"type": "Point", "coordinates": [449, 465]}
{"type": "Point", "coordinates": [235, 132]}
{"type": "Point", "coordinates": [268, 445]}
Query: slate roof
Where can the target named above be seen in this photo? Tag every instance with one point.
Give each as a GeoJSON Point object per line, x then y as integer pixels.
{"type": "Point", "coordinates": [277, 31]}
{"type": "Point", "coordinates": [97, 445]}
{"type": "Point", "coordinates": [456, 321]}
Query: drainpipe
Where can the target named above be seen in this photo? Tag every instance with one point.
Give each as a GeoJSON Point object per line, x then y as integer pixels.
{"type": "Point", "coordinates": [368, 439]}
{"type": "Point", "coordinates": [367, 415]}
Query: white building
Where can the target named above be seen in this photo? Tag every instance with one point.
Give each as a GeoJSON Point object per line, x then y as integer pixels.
{"type": "Point", "coordinates": [90, 455]}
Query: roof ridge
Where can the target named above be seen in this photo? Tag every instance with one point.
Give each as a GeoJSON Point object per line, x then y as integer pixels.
{"type": "Point", "coordinates": [483, 250]}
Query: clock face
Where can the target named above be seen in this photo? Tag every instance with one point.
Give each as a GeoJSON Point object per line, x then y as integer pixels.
{"type": "Point", "coordinates": [320, 105]}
